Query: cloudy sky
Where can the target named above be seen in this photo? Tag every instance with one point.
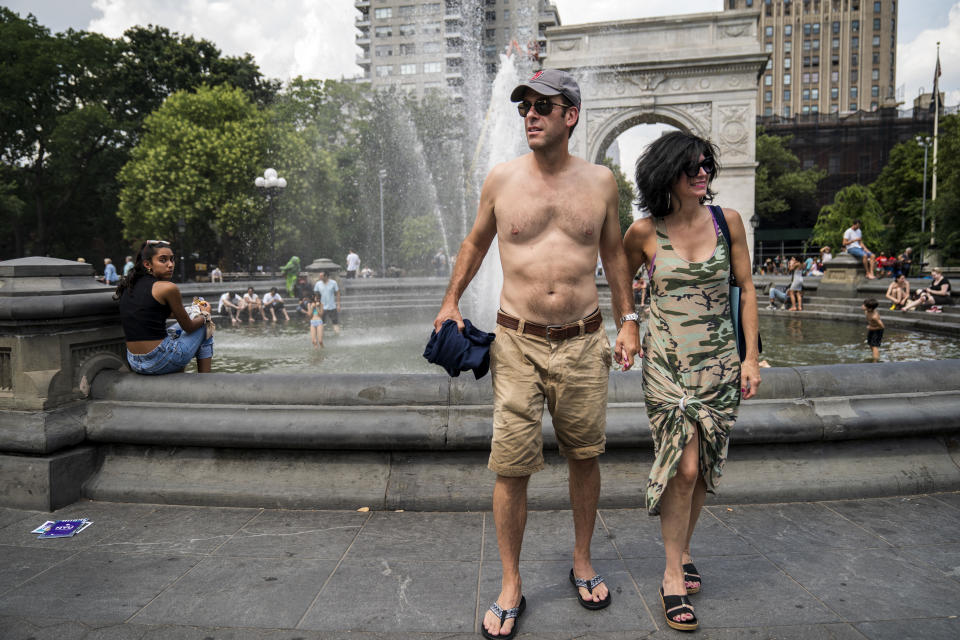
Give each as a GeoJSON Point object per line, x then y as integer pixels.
{"type": "Point", "coordinates": [315, 38]}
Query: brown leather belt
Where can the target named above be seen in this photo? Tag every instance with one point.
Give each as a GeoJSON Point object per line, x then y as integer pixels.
{"type": "Point", "coordinates": [553, 331]}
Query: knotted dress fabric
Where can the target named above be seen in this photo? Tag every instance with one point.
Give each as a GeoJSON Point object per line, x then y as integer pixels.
{"type": "Point", "coordinates": [691, 371]}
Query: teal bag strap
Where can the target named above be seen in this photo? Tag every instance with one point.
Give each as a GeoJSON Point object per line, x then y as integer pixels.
{"type": "Point", "coordinates": [734, 294]}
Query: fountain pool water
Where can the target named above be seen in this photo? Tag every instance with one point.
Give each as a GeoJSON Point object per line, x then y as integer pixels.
{"type": "Point", "coordinates": [393, 343]}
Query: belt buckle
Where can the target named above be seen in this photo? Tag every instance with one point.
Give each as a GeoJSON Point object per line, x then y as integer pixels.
{"type": "Point", "coordinates": [550, 327]}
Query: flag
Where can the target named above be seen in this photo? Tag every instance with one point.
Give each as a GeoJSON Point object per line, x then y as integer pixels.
{"type": "Point", "coordinates": [935, 99]}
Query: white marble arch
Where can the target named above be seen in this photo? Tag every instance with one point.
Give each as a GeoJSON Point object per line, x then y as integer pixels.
{"type": "Point", "coordinates": [697, 72]}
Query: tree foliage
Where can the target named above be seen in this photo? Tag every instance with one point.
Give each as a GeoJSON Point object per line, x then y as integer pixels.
{"type": "Point", "coordinates": [626, 193]}
{"type": "Point", "coordinates": [853, 202]}
{"type": "Point", "coordinates": [784, 193]}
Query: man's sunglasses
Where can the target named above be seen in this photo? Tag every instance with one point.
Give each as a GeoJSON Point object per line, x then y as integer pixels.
{"type": "Point", "coordinates": [543, 107]}
{"type": "Point", "coordinates": [707, 164]}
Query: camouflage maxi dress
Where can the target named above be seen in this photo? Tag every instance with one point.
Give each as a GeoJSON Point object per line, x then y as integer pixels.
{"type": "Point", "coordinates": [691, 370]}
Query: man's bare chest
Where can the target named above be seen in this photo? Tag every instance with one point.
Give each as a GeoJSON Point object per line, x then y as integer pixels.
{"type": "Point", "coordinates": [524, 219]}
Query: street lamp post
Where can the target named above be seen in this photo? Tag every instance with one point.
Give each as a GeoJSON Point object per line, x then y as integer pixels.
{"type": "Point", "coordinates": [924, 142]}
{"type": "Point", "coordinates": [272, 184]}
{"type": "Point", "coordinates": [182, 229]}
{"type": "Point", "coordinates": [382, 174]}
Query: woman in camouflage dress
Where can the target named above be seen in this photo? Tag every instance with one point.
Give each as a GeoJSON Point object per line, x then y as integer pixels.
{"type": "Point", "coordinates": [693, 378]}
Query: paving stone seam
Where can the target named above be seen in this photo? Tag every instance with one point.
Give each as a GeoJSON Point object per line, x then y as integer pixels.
{"type": "Point", "coordinates": [194, 566]}
{"type": "Point", "coordinates": [636, 585]}
{"type": "Point", "coordinates": [333, 571]}
{"type": "Point", "coordinates": [483, 540]}
{"type": "Point", "coordinates": [37, 575]}
{"type": "Point", "coordinates": [858, 525]}
{"type": "Point", "coordinates": [783, 571]}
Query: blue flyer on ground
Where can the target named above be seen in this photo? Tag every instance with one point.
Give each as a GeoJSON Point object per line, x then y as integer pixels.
{"type": "Point", "coordinates": [63, 528]}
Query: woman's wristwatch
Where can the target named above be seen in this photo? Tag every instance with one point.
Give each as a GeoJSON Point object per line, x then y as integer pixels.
{"type": "Point", "coordinates": [628, 317]}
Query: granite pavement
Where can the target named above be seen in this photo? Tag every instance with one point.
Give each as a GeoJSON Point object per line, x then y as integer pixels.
{"type": "Point", "coordinates": [884, 568]}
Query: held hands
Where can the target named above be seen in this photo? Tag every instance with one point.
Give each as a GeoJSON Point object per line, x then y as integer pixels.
{"type": "Point", "coordinates": [749, 378]}
{"type": "Point", "coordinates": [627, 344]}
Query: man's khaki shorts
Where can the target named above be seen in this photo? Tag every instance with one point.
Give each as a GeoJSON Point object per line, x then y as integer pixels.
{"type": "Point", "coordinates": [572, 376]}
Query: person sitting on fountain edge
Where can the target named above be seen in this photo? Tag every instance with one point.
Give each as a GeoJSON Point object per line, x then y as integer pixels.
{"type": "Point", "coordinates": [551, 213]}
{"type": "Point", "coordinates": [147, 298]}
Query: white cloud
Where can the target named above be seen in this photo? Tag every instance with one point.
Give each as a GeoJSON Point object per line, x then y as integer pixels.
{"type": "Point", "coordinates": [312, 38]}
{"type": "Point", "coordinates": [579, 11]}
{"type": "Point", "coordinates": [917, 59]}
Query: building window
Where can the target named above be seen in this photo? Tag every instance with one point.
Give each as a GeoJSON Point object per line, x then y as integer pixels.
{"type": "Point", "coordinates": [769, 63]}
{"type": "Point", "coordinates": [814, 94]}
{"type": "Point", "coordinates": [834, 108]}
{"type": "Point", "coordinates": [836, 27]}
{"type": "Point", "coordinates": [768, 31]}
{"type": "Point", "coordinates": [786, 111]}
{"type": "Point", "coordinates": [432, 67]}
{"type": "Point", "coordinates": [815, 77]}
{"type": "Point", "coordinates": [408, 30]}
{"type": "Point", "coordinates": [835, 43]}
{"type": "Point", "coordinates": [408, 69]}
{"type": "Point", "coordinates": [805, 109]}
{"type": "Point", "coordinates": [816, 44]}
{"type": "Point", "coordinates": [806, 61]}
{"type": "Point", "coordinates": [383, 14]}
{"type": "Point", "coordinates": [383, 32]}
{"type": "Point", "coordinates": [854, 43]}
{"type": "Point", "coordinates": [384, 70]}
{"type": "Point", "coordinates": [876, 57]}
{"type": "Point", "coordinates": [875, 74]}
{"type": "Point", "coordinates": [768, 111]}
{"type": "Point", "coordinates": [816, 61]}
{"type": "Point", "coordinates": [876, 24]}
{"type": "Point", "coordinates": [491, 34]}
{"type": "Point", "coordinates": [834, 93]}
{"type": "Point", "coordinates": [431, 47]}
{"type": "Point", "coordinates": [806, 94]}
{"type": "Point", "coordinates": [749, 3]}
{"type": "Point", "coordinates": [787, 46]}
{"type": "Point", "coordinates": [806, 28]}
{"type": "Point", "coordinates": [873, 106]}
{"type": "Point", "coordinates": [768, 47]}
{"type": "Point", "coordinates": [876, 41]}
{"type": "Point", "coordinates": [506, 14]}
{"type": "Point", "coordinates": [768, 96]}
{"type": "Point", "coordinates": [786, 78]}
{"type": "Point", "coordinates": [786, 95]}
{"type": "Point", "coordinates": [855, 26]}
{"type": "Point", "coordinates": [431, 27]}
{"type": "Point", "coordinates": [876, 6]}
{"type": "Point", "coordinates": [815, 109]}
{"type": "Point", "coordinates": [853, 92]}
{"type": "Point", "coordinates": [875, 91]}
{"type": "Point", "coordinates": [816, 28]}
{"type": "Point", "coordinates": [384, 51]}
{"type": "Point", "coordinates": [806, 45]}
{"type": "Point", "coordinates": [432, 7]}
{"type": "Point", "coordinates": [733, 4]}
{"type": "Point", "coordinates": [767, 80]}
{"type": "Point", "coordinates": [786, 63]}
{"type": "Point", "coordinates": [806, 78]}
{"type": "Point", "coordinates": [853, 106]}
{"type": "Point", "coordinates": [834, 76]}
{"type": "Point", "coordinates": [408, 49]}
{"type": "Point", "coordinates": [406, 11]}
{"type": "Point", "coordinates": [853, 75]}
{"type": "Point", "coordinates": [787, 29]}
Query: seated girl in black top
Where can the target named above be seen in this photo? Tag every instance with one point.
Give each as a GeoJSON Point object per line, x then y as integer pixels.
{"type": "Point", "coordinates": [147, 298]}
{"type": "Point", "coordinates": [938, 293]}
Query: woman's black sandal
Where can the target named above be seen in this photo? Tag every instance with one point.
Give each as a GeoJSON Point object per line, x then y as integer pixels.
{"type": "Point", "coordinates": [690, 574]}
{"type": "Point", "coordinates": [590, 585]}
{"type": "Point", "coordinates": [504, 615]}
{"type": "Point", "coordinates": [676, 606]}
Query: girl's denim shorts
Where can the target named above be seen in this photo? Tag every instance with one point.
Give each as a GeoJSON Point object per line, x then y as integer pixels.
{"type": "Point", "coordinates": [174, 353]}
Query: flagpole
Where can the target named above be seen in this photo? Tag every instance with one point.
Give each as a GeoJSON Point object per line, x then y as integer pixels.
{"type": "Point", "coordinates": [936, 126]}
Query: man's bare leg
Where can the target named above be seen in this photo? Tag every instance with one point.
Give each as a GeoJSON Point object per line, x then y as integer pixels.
{"type": "Point", "coordinates": [510, 517]}
{"type": "Point", "coordinates": [584, 495]}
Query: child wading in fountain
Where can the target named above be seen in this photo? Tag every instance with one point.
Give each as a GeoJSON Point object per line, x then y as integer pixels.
{"type": "Point", "coordinates": [874, 327]}
{"type": "Point", "coordinates": [315, 313]}
{"type": "Point", "coordinates": [147, 298]}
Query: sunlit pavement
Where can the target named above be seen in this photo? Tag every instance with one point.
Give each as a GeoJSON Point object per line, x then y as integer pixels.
{"type": "Point", "coordinates": [878, 568]}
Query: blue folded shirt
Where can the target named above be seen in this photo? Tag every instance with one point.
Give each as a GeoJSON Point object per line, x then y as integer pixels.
{"type": "Point", "coordinates": [456, 351]}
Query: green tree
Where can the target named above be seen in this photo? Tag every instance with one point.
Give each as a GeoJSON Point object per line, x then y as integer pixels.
{"type": "Point", "coordinates": [419, 240]}
{"type": "Point", "coordinates": [783, 193]}
{"type": "Point", "coordinates": [626, 193]}
{"type": "Point", "coordinates": [854, 202]}
{"type": "Point", "coordinates": [197, 159]}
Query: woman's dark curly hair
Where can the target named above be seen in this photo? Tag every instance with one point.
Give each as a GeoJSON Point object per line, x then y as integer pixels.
{"type": "Point", "coordinates": [147, 250]}
{"type": "Point", "coordinates": [663, 161]}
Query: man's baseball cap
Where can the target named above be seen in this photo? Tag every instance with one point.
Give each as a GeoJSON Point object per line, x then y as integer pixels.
{"type": "Point", "coordinates": [550, 82]}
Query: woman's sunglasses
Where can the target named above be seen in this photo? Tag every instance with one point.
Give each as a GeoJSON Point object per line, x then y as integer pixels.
{"type": "Point", "coordinates": [707, 164]}
{"type": "Point", "coordinates": [544, 107]}
{"type": "Point", "coordinates": [155, 242]}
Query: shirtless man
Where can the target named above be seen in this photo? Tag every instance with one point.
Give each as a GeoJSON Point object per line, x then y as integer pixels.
{"type": "Point", "coordinates": [552, 213]}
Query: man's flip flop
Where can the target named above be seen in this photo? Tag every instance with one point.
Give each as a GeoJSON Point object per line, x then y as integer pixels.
{"type": "Point", "coordinates": [676, 606]}
{"type": "Point", "coordinates": [504, 615]}
{"type": "Point", "coordinates": [590, 585]}
{"type": "Point", "coordinates": [690, 574]}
